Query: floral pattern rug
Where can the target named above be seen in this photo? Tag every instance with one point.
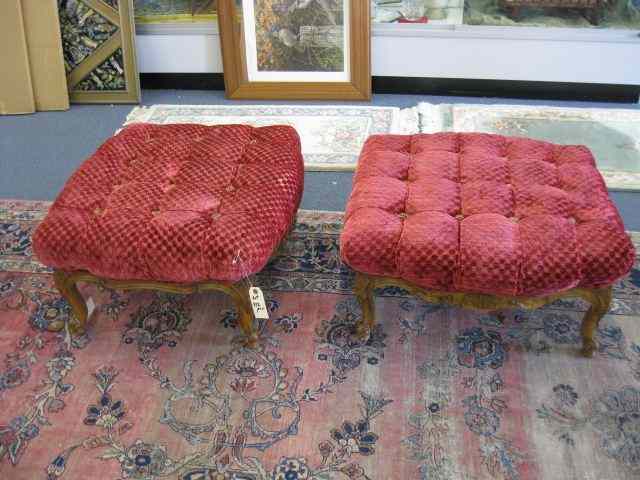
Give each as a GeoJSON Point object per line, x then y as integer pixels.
{"type": "Point", "coordinates": [331, 136]}
{"type": "Point", "coordinates": [612, 134]}
{"type": "Point", "coordinates": [160, 388]}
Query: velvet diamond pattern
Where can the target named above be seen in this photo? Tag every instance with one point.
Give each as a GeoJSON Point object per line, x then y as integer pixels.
{"type": "Point", "coordinates": [483, 213]}
{"type": "Point", "coordinates": [177, 203]}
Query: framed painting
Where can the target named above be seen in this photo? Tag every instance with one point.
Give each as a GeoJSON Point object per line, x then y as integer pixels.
{"type": "Point", "coordinates": [296, 49]}
{"type": "Point", "coordinates": [98, 49]}
{"type": "Point", "coordinates": [172, 11]}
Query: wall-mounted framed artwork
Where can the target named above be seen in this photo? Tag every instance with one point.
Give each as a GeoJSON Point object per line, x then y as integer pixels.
{"type": "Point", "coordinates": [174, 11]}
{"type": "Point", "coordinates": [296, 49]}
{"type": "Point", "coordinates": [99, 51]}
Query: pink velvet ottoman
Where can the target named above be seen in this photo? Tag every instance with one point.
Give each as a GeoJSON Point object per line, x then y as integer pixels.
{"type": "Point", "coordinates": [484, 221]}
{"type": "Point", "coordinates": [180, 208]}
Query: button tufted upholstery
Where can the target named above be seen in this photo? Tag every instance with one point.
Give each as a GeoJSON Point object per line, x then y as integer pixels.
{"type": "Point", "coordinates": [176, 203]}
{"type": "Point", "coordinates": [483, 213]}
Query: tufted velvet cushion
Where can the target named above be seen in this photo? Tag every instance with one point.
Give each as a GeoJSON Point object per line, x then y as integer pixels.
{"type": "Point", "coordinates": [176, 203]}
{"type": "Point", "coordinates": [483, 213]}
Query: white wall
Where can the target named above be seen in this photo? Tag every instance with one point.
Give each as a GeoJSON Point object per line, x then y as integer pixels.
{"type": "Point", "coordinates": [179, 53]}
{"type": "Point", "coordinates": [505, 53]}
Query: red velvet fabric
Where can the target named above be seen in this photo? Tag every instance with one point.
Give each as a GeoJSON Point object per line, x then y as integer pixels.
{"type": "Point", "coordinates": [483, 213]}
{"type": "Point", "coordinates": [177, 203]}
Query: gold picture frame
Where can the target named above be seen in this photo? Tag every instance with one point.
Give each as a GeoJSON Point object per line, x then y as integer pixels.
{"type": "Point", "coordinates": [270, 53]}
{"type": "Point", "coordinates": [99, 51]}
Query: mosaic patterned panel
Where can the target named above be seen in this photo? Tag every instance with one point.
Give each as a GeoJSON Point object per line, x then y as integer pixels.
{"type": "Point", "coordinates": [108, 76]}
{"type": "Point", "coordinates": [83, 31]}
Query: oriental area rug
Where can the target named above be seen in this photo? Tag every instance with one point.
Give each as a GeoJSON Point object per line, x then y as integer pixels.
{"type": "Point", "coordinates": [160, 388]}
{"type": "Point", "coordinates": [612, 134]}
{"type": "Point", "coordinates": [331, 136]}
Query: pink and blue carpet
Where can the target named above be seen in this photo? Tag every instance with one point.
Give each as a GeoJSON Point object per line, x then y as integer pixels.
{"type": "Point", "coordinates": [160, 388]}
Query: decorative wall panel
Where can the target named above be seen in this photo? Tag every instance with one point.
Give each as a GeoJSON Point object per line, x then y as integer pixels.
{"type": "Point", "coordinates": [99, 52]}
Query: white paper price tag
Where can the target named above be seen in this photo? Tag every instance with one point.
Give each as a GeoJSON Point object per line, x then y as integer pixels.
{"type": "Point", "coordinates": [257, 303]}
{"type": "Point", "coordinates": [91, 306]}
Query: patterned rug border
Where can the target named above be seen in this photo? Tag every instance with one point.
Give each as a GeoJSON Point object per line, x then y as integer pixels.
{"type": "Point", "coordinates": [440, 117]}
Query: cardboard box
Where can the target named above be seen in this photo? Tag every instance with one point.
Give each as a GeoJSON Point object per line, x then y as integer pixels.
{"type": "Point", "coordinates": [33, 76]}
{"type": "Point", "coordinates": [16, 92]}
{"type": "Point", "coordinates": [44, 44]}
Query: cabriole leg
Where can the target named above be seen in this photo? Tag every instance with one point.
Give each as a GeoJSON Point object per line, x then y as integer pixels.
{"type": "Point", "coordinates": [240, 296]}
{"type": "Point", "coordinates": [363, 289]}
{"type": "Point", "coordinates": [69, 291]}
{"type": "Point", "coordinates": [600, 301]}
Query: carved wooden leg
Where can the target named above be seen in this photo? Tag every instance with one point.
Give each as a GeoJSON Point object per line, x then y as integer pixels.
{"type": "Point", "coordinates": [240, 295]}
{"type": "Point", "coordinates": [600, 299]}
{"type": "Point", "coordinates": [363, 289]}
{"type": "Point", "coordinates": [68, 289]}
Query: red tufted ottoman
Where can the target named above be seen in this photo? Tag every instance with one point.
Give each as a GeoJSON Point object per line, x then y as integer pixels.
{"type": "Point", "coordinates": [484, 221]}
{"type": "Point", "coordinates": [180, 208]}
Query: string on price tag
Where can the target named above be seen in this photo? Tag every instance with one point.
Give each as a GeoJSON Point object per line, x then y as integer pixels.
{"type": "Point", "coordinates": [256, 297]}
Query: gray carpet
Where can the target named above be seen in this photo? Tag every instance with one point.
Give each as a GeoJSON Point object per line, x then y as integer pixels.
{"type": "Point", "coordinates": [39, 152]}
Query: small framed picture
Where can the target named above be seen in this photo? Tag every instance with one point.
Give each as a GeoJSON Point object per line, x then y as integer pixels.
{"type": "Point", "coordinates": [296, 49]}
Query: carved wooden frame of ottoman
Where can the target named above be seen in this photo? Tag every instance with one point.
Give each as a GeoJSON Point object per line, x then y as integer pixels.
{"type": "Point", "coordinates": [599, 298]}
{"type": "Point", "coordinates": [66, 283]}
